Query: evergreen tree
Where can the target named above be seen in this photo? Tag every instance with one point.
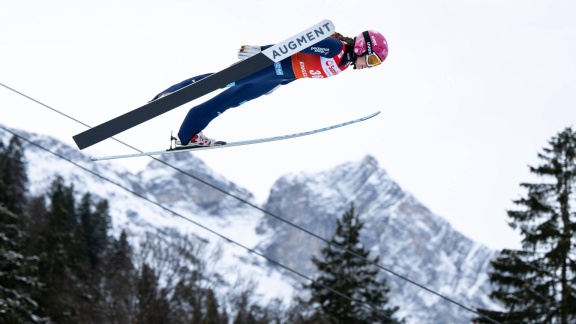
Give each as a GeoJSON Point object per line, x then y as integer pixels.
{"type": "Point", "coordinates": [152, 306]}
{"type": "Point", "coordinates": [13, 178]}
{"type": "Point", "coordinates": [35, 219]}
{"type": "Point", "coordinates": [537, 284]}
{"type": "Point", "coordinates": [18, 268]}
{"type": "Point", "coordinates": [119, 282]}
{"type": "Point", "coordinates": [351, 276]}
{"type": "Point", "coordinates": [91, 240]}
{"type": "Point", "coordinates": [56, 247]}
{"type": "Point", "coordinates": [92, 233]}
{"type": "Point", "coordinates": [18, 273]}
{"type": "Point", "coordinates": [212, 314]}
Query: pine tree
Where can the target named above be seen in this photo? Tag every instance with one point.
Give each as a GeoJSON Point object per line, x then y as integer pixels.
{"type": "Point", "coordinates": [350, 275]}
{"type": "Point", "coordinates": [56, 246]}
{"type": "Point", "coordinates": [18, 273]}
{"type": "Point", "coordinates": [537, 284]}
{"type": "Point", "coordinates": [92, 233]}
{"type": "Point", "coordinates": [119, 282]}
{"type": "Point", "coordinates": [13, 178]}
{"type": "Point", "coordinates": [152, 306]}
{"type": "Point", "coordinates": [91, 240]}
{"type": "Point", "coordinates": [18, 269]}
{"type": "Point", "coordinates": [212, 314]}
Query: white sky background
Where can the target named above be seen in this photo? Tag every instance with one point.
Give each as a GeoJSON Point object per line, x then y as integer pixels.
{"type": "Point", "coordinates": [470, 93]}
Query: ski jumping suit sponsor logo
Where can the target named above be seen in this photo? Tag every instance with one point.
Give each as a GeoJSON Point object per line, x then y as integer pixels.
{"type": "Point", "coordinates": [287, 47]}
{"type": "Point", "coordinates": [331, 68]}
{"type": "Point", "coordinates": [320, 50]}
{"type": "Point", "coordinates": [278, 68]}
{"type": "Point", "coordinates": [303, 70]}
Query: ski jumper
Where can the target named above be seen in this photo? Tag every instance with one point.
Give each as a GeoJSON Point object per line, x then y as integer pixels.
{"type": "Point", "coordinates": [324, 59]}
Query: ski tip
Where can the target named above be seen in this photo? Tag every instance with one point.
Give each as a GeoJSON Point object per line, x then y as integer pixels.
{"type": "Point", "coordinates": [372, 114]}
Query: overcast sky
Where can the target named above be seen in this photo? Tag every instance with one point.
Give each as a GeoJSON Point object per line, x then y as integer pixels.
{"type": "Point", "coordinates": [470, 93]}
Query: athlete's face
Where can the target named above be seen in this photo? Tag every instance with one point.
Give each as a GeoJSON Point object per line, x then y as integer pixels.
{"type": "Point", "coordinates": [361, 63]}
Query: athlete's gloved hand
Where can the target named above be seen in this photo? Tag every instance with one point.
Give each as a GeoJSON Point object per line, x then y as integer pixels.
{"type": "Point", "coordinates": [246, 51]}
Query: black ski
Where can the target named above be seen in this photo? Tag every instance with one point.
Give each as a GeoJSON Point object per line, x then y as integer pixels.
{"type": "Point", "coordinates": [198, 89]}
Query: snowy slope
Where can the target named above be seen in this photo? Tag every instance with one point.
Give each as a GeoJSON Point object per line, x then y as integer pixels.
{"type": "Point", "coordinates": [409, 239]}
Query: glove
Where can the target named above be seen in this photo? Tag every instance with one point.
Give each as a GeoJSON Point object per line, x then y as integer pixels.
{"type": "Point", "coordinates": [160, 95]}
{"type": "Point", "coordinates": [248, 50]}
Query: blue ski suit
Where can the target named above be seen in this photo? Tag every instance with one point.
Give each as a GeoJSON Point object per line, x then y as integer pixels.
{"type": "Point", "coordinates": [324, 59]}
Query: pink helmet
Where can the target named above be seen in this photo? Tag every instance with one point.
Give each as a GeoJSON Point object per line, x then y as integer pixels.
{"type": "Point", "coordinates": [370, 42]}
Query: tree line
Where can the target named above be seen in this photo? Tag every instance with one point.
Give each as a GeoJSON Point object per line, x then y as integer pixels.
{"type": "Point", "coordinates": [60, 263]}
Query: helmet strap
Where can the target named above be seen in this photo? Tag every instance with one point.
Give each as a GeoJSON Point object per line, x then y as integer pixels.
{"type": "Point", "coordinates": [368, 41]}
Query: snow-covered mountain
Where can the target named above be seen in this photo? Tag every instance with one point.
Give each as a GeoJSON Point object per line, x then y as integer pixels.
{"type": "Point", "coordinates": [410, 240]}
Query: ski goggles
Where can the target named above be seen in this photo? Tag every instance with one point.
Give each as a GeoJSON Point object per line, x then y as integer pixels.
{"type": "Point", "coordinates": [372, 59]}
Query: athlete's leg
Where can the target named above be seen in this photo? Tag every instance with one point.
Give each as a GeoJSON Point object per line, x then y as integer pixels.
{"type": "Point", "coordinates": [263, 75]}
{"type": "Point", "coordinates": [200, 116]}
